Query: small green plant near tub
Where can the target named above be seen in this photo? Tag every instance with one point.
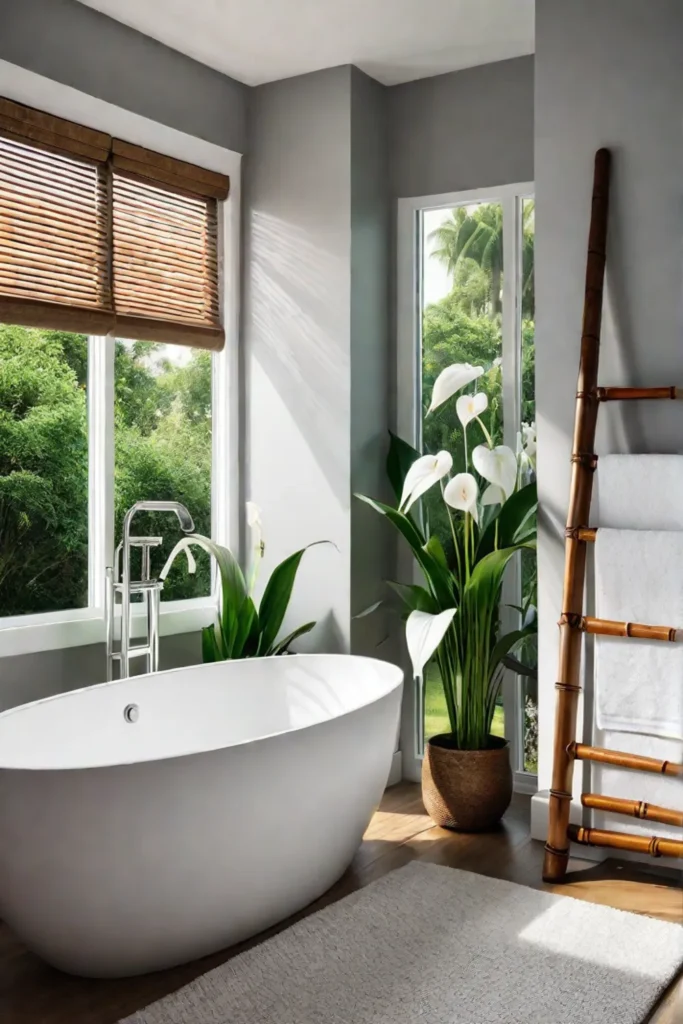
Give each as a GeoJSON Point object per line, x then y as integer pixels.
{"type": "Point", "coordinates": [490, 503]}
{"type": "Point", "coordinates": [242, 630]}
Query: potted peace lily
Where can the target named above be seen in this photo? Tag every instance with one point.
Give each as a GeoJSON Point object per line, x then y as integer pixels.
{"type": "Point", "coordinates": [490, 503]}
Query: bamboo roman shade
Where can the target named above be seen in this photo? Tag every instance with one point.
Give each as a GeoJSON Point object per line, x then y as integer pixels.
{"type": "Point", "coordinates": [102, 237]}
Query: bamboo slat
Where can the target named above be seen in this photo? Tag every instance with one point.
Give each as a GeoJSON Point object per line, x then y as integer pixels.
{"type": "Point", "coordinates": [633, 808]}
{"type": "Point", "coordinates": [139, 328]}
{"type": "Point", "coordinates": [585, 752]}
{"type": "Point", "coordinates": [104, 237]}
{"type": "Point", "coordinates": [168, 170]}
{"type": "Point", "coordinates": [655, 846]}
{"type": "Point", "coordinates": [32, 125]}
{"type": "Point", "coordinates": [583, 464]}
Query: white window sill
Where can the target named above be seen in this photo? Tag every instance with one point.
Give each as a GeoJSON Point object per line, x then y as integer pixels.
{"type": "Point", "coordinates": [32, 633]}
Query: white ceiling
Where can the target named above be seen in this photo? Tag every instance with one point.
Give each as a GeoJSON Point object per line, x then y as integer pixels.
{"type": "Point", "coordinates": [395, 41]}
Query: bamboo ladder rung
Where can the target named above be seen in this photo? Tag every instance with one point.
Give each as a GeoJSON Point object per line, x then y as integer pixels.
{"type": "Point", "coordinates": [633, 809]}
{"type": "Point", "coordinates": [637, 394]}
{"type": "Point", "coordinates": [655, 846]}
{"type": "Point", "coordinates": [632, 630]}
{"type": "Point", "coordinates": [636, 762]}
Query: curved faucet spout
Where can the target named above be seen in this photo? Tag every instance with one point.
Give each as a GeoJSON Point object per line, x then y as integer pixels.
{"type": "Point", "coordinates": [184, 518]}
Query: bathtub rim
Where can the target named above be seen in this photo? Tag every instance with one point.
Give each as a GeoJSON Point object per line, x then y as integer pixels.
{"type": "Point", "coordinates": [394, 673]}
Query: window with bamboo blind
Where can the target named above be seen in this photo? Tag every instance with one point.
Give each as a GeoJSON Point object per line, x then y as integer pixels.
{"type": "Point", "coordinates": [101, 237]}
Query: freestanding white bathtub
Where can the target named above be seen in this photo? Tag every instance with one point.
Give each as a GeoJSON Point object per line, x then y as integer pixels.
{"type": "Point", "coordinates": [237, 797]}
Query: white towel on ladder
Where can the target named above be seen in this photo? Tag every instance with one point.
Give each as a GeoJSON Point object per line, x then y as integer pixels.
{"type": "Point", "coordinates": [639, 492]}
{"type": "Point", "coordinates": [639, 683]}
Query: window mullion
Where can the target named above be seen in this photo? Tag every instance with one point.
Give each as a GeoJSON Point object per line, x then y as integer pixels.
{"type": "Point", "coordinates": [100, 465]}
{"type": "Point", "coordinates": [512, 397]}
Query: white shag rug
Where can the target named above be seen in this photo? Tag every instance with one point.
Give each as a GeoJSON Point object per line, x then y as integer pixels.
{"type": "Point", "coordinates": [434, 945]}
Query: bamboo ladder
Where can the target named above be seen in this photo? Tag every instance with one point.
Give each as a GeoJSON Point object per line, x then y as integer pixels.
{"type": "Point", "coordinates": [573, 623]}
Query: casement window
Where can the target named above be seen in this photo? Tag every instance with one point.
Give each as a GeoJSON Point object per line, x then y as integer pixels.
{"type": "Point", "coordinates": [466, 294]}
{"type": "Point", "coordinates": [113, 369]}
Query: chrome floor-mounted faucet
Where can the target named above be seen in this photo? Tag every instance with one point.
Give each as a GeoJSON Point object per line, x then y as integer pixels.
{"type": "Point", "coordinates": [119, 582]}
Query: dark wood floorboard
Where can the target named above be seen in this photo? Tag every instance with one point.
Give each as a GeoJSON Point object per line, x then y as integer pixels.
{"type": "Point", "coordinates": [33, 993]}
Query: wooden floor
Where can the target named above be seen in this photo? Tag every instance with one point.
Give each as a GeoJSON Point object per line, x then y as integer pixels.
{"type": "Point", "coordinates": [32, 993]}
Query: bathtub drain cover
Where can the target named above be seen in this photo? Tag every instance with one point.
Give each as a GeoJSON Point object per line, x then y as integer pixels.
{"type": "Point", "coordinates": [131, 713]}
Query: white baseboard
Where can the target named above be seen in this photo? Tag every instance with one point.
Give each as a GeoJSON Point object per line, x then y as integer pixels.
{"type": "Point", "coordinates": [396, 770]}
{"type": "Point", "coordinates": [539, 830]}
{"type": "Point", "coordinates": [539, 826]}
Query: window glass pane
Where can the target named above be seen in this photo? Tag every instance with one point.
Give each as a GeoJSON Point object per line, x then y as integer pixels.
{"type": "Point", "coordinates": [529, 654]}
{"type": "Point", "coordinates": [462, 293]}
{"type": "Point", "coordinates": [163, 451]}
{"type": "Point", "coordinates": [43, 471]}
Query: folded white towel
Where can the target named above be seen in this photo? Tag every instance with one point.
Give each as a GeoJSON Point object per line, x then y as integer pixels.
{"type": "Point", "coordinates": [639, 683]}
{"type": "Point", "coordinates": [664, 790]}
{"type": "Point", "coordinates": [639, 492]}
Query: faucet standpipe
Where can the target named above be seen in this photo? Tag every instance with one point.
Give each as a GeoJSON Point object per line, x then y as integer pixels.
{"type": "Point", "coordinates": [118, 581]}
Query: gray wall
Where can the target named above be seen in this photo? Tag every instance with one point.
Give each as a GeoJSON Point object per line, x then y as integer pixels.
{"type": "Point", "coordinates": [608, 72]}
{"type": "Point", "coordinates": [29, 677]}
{"type": "Point", "coordinates": [372, 542]}
{"type": "Point", "coordinates": [74, 45]}
{"type": "Point", "coordinates": [316, 339]}
{"type": "Point", "coordinates": [468, 129]}
{"type": "Point", "coordinates": [296, 322]}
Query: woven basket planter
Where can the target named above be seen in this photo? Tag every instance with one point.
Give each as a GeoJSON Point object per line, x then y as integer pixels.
{"type": "Point", "coordinates": [466, 790]}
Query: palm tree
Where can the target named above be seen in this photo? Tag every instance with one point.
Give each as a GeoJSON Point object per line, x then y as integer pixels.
{"type": "Point", "coordinates": [477, 235]}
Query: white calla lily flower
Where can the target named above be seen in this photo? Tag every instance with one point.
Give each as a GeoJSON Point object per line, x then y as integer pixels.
{"type": "Point", "coordinates": [493, 495]}
{"type": "Point", "coordinates": [497, 465]}
{"type": "Point", "coordinates": [255, 525]}
{"type": "Point", "coordinates": [424, 633]}
{"type": "Point", "coordinates": [452, 379]}
{"type": "Point", "coordinates": [468, 407]}
{"type": "Point", "coordinates": [461, 493]}
{"type": "Point", "coordinates": [424, 472]}
{"type": "Point", "coordinates": [529, 432]}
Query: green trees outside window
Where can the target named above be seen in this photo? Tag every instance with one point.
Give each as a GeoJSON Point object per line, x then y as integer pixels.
{"type": "Point", "coordinates": [162, 432]}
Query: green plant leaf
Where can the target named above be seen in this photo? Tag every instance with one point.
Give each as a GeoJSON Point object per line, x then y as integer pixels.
{"type": "Point", "coordinates": [414, 597]}
{"type": "Point", "coordinates": [507, 643]}
{"type": "Point", "coordinates": [434, 547]}
{"type": "Point", "coordinates": [439, 579]}
{"type": "Point", "coordinates": [400, 458]}
{"type": "Point", "coordinates": [276, 597]}
{"type": "Point", "coordinates": [514, 526]}
{"type": "Point", "coordinates": [283, 644]}
{"type": "Point", "coordinates": [515, 665]}
{"type": "Point", "coordinates": [247, 626]}
{"type": "Point", "coordinates": [233, 585]}
{"type": "Point", "coordinates": [210, 652]}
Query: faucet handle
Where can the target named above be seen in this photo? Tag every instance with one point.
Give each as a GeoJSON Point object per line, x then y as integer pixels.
{"type": "Point", "coordinates": [146, 543]}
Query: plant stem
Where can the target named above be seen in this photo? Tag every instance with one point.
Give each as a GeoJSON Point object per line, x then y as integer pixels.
{"type": "Point", "coordinates": [486, 433]}
{"type": "Point", "coordinates": [467, 554]}
{"type": "Point", "coordinates": [453, 535]}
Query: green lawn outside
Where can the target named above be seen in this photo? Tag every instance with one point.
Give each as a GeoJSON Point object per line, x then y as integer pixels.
{"type": "Point", "coordinates": [436, 715]}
